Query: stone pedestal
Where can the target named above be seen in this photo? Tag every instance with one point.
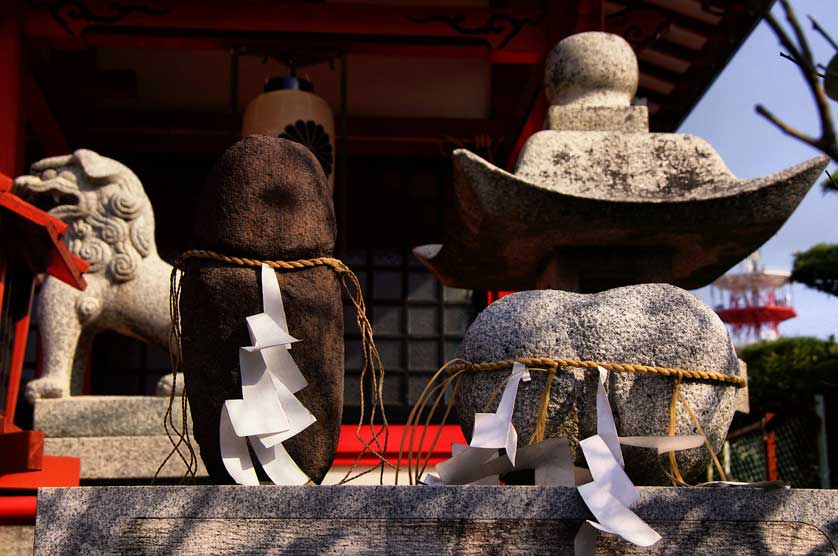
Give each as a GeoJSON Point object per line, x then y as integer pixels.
{"type": "Point", "coordinates": [16, 540]}
{"type": "Point", "coordinates": [116, 437]}
{"type": "Point", "coordinates": [419, 520]}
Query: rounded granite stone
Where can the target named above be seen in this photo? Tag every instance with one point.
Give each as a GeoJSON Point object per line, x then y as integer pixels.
{"type": "Point", "coordinates": [649, 324]}
{"type": "Point", "coordinates": [594, 68]}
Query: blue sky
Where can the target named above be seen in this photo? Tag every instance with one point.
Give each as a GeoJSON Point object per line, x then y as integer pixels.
{"type": "Point", "coordinates": [752, 147]}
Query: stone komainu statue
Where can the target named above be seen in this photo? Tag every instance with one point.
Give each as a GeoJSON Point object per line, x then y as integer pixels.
{"type": "Point", "coordinates": [111, 226]}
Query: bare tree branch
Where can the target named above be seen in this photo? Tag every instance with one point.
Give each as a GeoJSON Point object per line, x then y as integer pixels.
{"type": "Point", "coordinates": [786, 128]}
{"type": "Point", "coordinates": [816, 26]}
{"type": "Point", "coordinates": [791, 59]}
{"type": "Point", "coordinates": [801, 54]}
{"type": "Point", "coordinates": [791, 17]}
{"type": "Point", "coordinates": [831, 185]}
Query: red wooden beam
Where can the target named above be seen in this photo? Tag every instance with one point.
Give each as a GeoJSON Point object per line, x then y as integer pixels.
{"type": "Point", "coordinates": [349, 446]}
{"type": "Point", "coordinates": [44, 249]}
{"type": "Point", "coordinates": [31, 242]}
{"type": "Point", "coordinates": [11, 124]}
{"type": "Point", "coordinates": [17, 510]}
{"type": "Point", "coordinates": [56, 471]}
{"type": "Point", "coordinates": [22, 450]}
{"type": "Point", "coordinates": [519, 28]}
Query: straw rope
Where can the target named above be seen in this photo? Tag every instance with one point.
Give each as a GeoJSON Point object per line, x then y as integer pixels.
{"type": "Point", "coordinates": [734, 380]}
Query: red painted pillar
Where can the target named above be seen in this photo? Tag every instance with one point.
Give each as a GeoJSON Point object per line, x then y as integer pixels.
{"type": "Point", "coordinates": [11, 115]}
{"type": "Point", "coordinates": [770, 441]}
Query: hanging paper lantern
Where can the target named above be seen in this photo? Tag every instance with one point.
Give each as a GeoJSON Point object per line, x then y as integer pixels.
{"type": "Point", "coordinates": [289, 109]}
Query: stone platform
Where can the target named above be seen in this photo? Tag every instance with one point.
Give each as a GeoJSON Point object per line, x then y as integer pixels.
{"type": "Point", "coordinates": [16, 540]}
{"type": "Point", "coordinates": [116, 437]}
{"type": "Point", "coordinates": [420, 520]}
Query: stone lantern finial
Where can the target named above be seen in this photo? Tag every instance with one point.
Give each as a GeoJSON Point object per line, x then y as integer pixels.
{"type": "Point", "coordinates": [591, 69]}
{"type": "Point", "coordinates": [590, 80]}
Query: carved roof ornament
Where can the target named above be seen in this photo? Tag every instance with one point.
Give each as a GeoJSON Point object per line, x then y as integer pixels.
{"type": "Point", "coordinates": [597, 179]}
{"type": "Point", "coordinates": [66, 12]}
{"type": "Point", "coordinates": [506, 25]}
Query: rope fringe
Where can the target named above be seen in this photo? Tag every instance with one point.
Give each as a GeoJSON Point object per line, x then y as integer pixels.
{"type": "Point", "coordinates": [452, 373]}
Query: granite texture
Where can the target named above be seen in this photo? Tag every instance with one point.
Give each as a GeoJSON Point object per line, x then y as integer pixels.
{"type": "Point", "coordinates": [17, 540]}
{"type": "Point", "coordinates": [116, 437]}
{"type": "Point", "coordinates": [627, 119]}
{"type": "Point", "coordinates": [618, 166]}
{"type": "Point", "coordinates": [420, 520]}
{"type": "Point", "coordinates": [266, 198]}
{"type": "Point", "coordinates": [650, 324]}
{"type": "Point", "coordinates": [102, 416]}
{"type": "Point", "coordinates": [597, 182]}
{"type": "Point", "coordinates": [111, 226]}
{"type": "Point", "coordinates": [593, 69]}
{"type": "Point", "coordinates": [121, 457]}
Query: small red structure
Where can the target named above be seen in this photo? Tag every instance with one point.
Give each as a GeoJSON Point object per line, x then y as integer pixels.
{"type": "Point", "coordinates": [754, 302]}
{"type": "Point", "coordinates": [349, 446]}
{"type": "Point", "coordinates": [30, 243]}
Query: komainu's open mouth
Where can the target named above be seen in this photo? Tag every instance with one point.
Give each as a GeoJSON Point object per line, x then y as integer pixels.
{"type": "Point", "coordinates": [48, 199]}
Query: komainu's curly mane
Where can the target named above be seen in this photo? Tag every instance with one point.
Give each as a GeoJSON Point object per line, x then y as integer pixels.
{"type": "Point", "coordinates": [111, 223]}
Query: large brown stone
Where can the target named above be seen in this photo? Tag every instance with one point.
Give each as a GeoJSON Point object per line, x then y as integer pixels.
{"type": "Point", "coordinates": [265, 198]}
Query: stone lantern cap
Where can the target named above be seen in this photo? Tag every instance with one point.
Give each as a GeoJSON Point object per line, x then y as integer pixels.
{"type": "Point", "coordinates": [597, 182]}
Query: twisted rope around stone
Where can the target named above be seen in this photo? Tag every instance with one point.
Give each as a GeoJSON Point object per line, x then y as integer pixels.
{"type": "Point", "coordinates": [335, 264]}
{"type": "Point", "coordinates": [549, 362]}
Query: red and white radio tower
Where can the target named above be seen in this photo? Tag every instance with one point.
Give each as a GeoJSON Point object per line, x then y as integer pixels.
{"type": "Point", "coordinates": [753, 302]}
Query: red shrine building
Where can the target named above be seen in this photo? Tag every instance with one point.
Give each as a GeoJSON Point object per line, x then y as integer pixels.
{"type": "Point", "coordinates": [164, 88]}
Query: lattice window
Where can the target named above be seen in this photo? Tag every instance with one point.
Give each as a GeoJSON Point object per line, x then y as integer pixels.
{"type": "Point", "coordinates": [418, 325]}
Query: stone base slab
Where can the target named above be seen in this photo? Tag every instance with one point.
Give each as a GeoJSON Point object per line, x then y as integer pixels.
{"type": "Point", "coordinates": [116, 437]}
{"type": "Point", "coordinates": [104, 416]}
{"type": "Point", "coordinates": [122, 457]}
{"type": "Point", "coordinates": [420, 521]}
{"type": "Point", "coordinates": [16, 540]}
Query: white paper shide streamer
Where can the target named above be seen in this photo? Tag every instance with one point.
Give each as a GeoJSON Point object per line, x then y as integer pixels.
{"type": "Point", "coordinates": [604, 487]}
{"type": "Point", "coordinates": [480, 463]}
{"type": "Point", "coordinates": [268, 413]}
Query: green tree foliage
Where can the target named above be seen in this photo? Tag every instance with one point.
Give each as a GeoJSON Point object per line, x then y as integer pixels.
{"type": "Point", "coordinates": [785, 374]}
{"type": "Point", "coordinates": [817, 268]}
